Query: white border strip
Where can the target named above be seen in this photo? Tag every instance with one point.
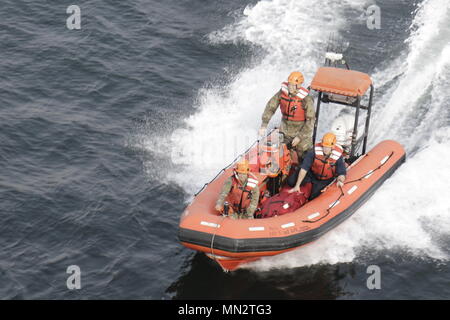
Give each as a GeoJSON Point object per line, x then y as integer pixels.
{"type": "Point", "coordinates": [256, 228]}
{"type": "Point", "coordinates": [369, 174]}
{"type": "Point", "coordinates": [287, 225]}
{"type": "Point", "coordinates": [352, 189]}
{"type": "Point", "coordinates": [334, 204]}
{"type": "Point", "coordinates": [210, 224]}
{"type": "Point", "coordinates": [314, 215]}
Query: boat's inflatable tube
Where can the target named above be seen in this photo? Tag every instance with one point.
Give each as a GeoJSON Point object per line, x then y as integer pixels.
{"type": "Point", "coordinates": [203, 229]}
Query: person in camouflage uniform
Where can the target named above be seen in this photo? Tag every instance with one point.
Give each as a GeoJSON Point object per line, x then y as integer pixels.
{"type": "Point", "coordinates": [242, 192]}
{"type": "Point", "coordinates": [297, 108]}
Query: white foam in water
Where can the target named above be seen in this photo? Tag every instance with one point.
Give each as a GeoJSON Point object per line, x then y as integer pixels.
{"type": "Point", "coordinates": [423, 71]}
{"type": "Point", "coordinates": [412, 206]}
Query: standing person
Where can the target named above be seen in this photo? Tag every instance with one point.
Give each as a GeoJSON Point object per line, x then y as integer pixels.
{"type": "Point", "coordinates": [321, 166]}
{"type": "Point", "coordinates": [297, 109]}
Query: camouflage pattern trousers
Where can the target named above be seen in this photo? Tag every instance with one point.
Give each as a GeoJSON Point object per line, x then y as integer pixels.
{"type": "Point", "coordinates": [291, 130]}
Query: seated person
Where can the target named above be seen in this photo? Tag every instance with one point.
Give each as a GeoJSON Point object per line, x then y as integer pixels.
{"type": "Point", "coordinates": [241, 191]}
{"type": "Point", "coordinates": [321, 166]}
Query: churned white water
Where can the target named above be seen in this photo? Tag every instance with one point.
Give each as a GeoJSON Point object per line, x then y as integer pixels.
{"type": "Point", "coordinates": [410, 211]}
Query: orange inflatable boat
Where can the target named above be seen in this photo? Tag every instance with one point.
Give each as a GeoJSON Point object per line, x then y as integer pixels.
{"type": "Point", "coordinates": [232, 242]}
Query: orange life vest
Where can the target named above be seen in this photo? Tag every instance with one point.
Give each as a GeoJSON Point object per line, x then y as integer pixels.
{"type": "Point", "coordinates": [292, 107]}
{"type": "Point", "coordinates": [240, 195]}
{"type": "Point", "coordinates": [324, 168]}
{"type": "Point", "coordinates": [281, 157]}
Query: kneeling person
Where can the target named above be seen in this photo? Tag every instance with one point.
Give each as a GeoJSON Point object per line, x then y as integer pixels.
{"type": "Point", "coordinates": [241, 191]}
{"type": "Point", "coordinates": [321, 165]}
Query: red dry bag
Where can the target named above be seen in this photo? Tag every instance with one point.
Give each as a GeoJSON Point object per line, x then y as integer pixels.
{"type": "Point", "coordinates": [285, 202]}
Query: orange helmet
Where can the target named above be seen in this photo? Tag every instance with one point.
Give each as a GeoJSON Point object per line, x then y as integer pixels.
{"type": "Point", "coordinates": [242, 166]}
{"type": "Point", "coordinates": [296, 77]}
{"type": "Point", "coordinates": [329, 140]}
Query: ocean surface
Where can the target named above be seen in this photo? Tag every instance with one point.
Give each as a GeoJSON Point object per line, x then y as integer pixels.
{"type": "Point", "coordinates": [107, 132]}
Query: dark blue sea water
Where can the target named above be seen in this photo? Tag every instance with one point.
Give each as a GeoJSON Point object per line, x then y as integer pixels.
{"type": "Point", "coordinates": [93, 165]}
